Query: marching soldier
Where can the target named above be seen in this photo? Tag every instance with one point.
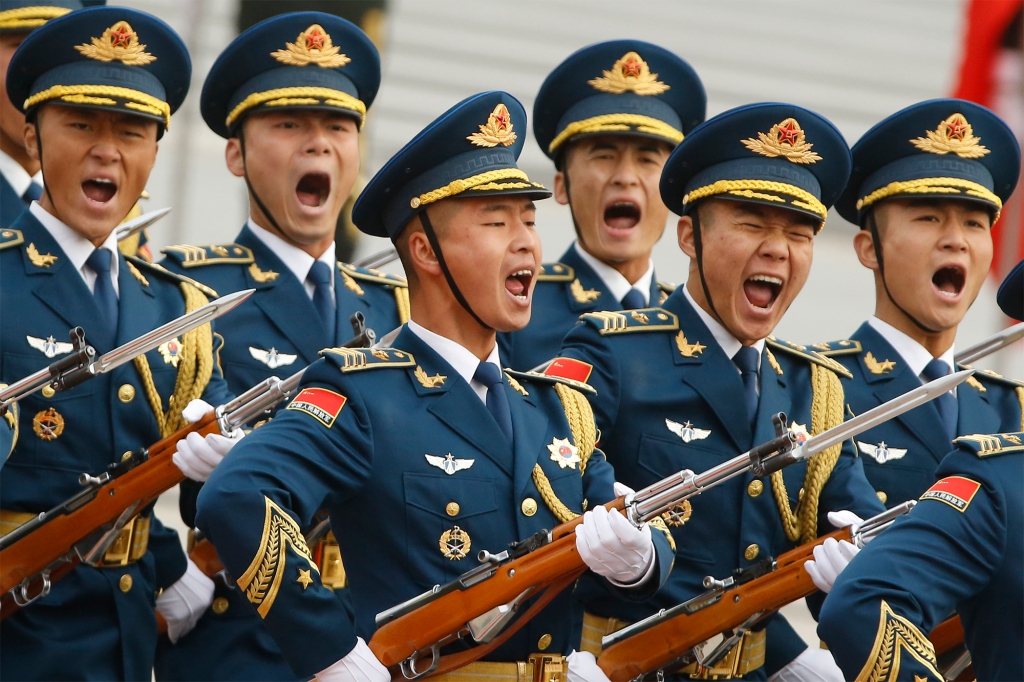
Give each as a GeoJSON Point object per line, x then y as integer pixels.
{"type": "Point", "coordinates": [697, 380]}
{"type": "Point", "coordinates": [98, 88]}
{"type": "Point", "coordinates": [927, 185]}
{"type": "Point", "coordinates": [426, 449]}
{"type": "Point", "coordinates": [299, 155]}
{"type": "Point", "coordinates": [608, 116]}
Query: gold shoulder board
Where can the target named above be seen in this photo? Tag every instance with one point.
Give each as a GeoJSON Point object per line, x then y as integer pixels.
{"type": "Point", "coordinates": [355, 359]}
{"type": "Point", "coordinates": [808, 354]}
{"type": "Point", "coordinates": [9, 238]}
{"type": "Point", "coordinates": [166, 274]}
{"type": "Point", "coordinates": [641, 320]}
{"type": "Point", "coordinates": [188, 256]}
{"type": "Point", "coordinates": [556, 272]}
{"type": "Point", "coordinates": [986, 445]}
{"type": "Point", "coordinates": [372, 275]}
{"type": "Point", "coordinates": [833, 348]}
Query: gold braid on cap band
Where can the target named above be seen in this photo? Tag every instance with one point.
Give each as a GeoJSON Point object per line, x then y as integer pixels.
{"type": "Point", "coordinates": [931, 186]}
{"type": "Point", "coordinates": [616, 123]}
{"type": "Point", "coordinates": [86, 94]}
{"type": "Point", "coordinates": [299, 96]}
{"type": "Point", "coordinates": [30, 17]}
{"type": "Point", "coordinates": [748, 188]}
{"type": "Point", "coordinates": [483, 181]}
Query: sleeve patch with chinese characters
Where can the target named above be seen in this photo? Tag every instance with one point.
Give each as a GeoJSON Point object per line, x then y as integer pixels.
{"type": "Point", "coordinates": [956, 491]}
{"type": "Point", "coordinates": [319, 403]}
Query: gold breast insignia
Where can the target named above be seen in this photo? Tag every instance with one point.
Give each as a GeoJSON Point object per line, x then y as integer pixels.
{"type": "Point", "coordinates": [679, 514]}
{"type": "Point", "coordinates": [563, 452]}
{"type": "Point", "coordinates": [48, 424]}
{"type": "Point", "coordinates": [455, 544]}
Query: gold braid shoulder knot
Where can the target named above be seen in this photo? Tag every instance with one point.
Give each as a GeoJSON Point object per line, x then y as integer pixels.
{"type": "Point", "coordinates": [584, 434]}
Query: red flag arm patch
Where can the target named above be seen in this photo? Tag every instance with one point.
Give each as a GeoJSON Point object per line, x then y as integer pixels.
{"type": "Point", "coordinates": [319, 403]}
{"type": "Point", "coordinates": [567, 368]}
{"type": "Point", "coordinates": [956, 491]}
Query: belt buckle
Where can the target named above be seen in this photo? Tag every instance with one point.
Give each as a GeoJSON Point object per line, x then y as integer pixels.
{"type": "Point", "coordinates": [548, 667]}
{"type": "Point", "coordinates": [726, 668]}
{"type": "Point", "coordinates": [332, 569]}
{"type": "Point", "coordinates": [120, 549]}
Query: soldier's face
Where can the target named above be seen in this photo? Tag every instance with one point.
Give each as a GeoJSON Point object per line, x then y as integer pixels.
{"type": "Point", "coordinates": [303, 165]}
{"type": "Point", "coordinates": [613, 186]}
{"type": "Point", "coordinates": [12, 121]}
{"type": "Point", "coordinates": [936, 255]}
{"type": "Point", "coordinates": [95, 165]}
{"type": "Point", "coordinates": [756, 260]}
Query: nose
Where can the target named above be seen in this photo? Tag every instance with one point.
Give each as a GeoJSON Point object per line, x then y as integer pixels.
{"type": "Point", "coordinates": [954, 236]}
{"type": "Point", "coordinates": [626, 172]}
{"type": "Point", "coordinates": [105, 150]}
{"type": "Point", "coordinates": [774, 246]}
{"type": "Point", "coordinates": [526, 239]}
{"type": "Point", "coordinates": [318, 143]}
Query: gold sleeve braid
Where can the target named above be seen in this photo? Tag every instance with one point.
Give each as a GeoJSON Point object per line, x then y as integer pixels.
{"type": "Point", "coordinates": [826, 411]}
{"type": "Point", "coordinates": [195, 367]}
{"type": "Point", "coordinates": [895, 639]}
{"type": "Point", "coordinates": [1020, 399]}
{"type": "Point", "coordinates": [584, 434]}
{"type": "Point", "coordinates": [402, 304]}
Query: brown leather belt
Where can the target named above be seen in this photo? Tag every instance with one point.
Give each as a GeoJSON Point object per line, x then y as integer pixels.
{"type": "Point", "coordinates": [130, 546]}
{"type": "Point", "coordinates": [539, 668]}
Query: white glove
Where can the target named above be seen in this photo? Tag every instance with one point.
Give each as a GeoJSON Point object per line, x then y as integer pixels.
{"type": "Point", "coordinates": [197, 456]}
{"type": "Point", "coordinates": [831, 557]}
{"type": "Point", "coordinates": [613, 547]}
{"type": "Point", "coordinates": [360, 665]}
{"type": "Point", "coordinates": [813, 665]}
{"type": "Point", "coordinates": [621, 489]}
{"type": "Point", "coordinates": [583, 668]}
{"type": "Point", "coordinates": [184, 602]}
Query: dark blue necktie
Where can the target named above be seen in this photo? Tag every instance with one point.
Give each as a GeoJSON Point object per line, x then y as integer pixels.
{"type": "Point", "coordinates": [746, 360]}
{"type": "Point", "coordinates": [945, 403]}
{"type": "Point", "coordinates": [103, 291]}
{"type": "Point", "coordinates": [633, 300]}
{"type": "Point", "coordinates": [320, 276]}
{"type": "Point", "coordinates": [488, 374]}
{"type": "Point", "coordinates": [33, 193]}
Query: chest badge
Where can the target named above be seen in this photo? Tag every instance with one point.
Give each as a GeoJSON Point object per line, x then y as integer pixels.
{"type": "Point", "coordinates": [564, 452]}
{"type": "Point", "coordinates": [49, 346]}
{"type": "Point", "coordinates": [171, 352]}
{"type": "Point", "coordinates": [801, 432]}
{"type": "Point", "coordinates": [455, 544]}
{"type": "Point", "coordinates": [686, 431]}
{"type": "Point", "coordinates": [48, 424]}
{"type": "Point", "coordinates": [881, 453]}
{"type": "Point", "coordinates": [271, 358]}
{"type": "Point", "coordinates": [448, 463]}
{"type": "Point", "coordinates": [678, 515]}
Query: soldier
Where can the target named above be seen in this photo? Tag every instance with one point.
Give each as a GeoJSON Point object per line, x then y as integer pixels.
{"type": "Point", "coordinates": [98, 86]}
{"type": "Point", "coordinates": [696, 381]}
{"type": "Point", "coordinates": [300, 158]}
{"type": "Point", "coordinates": [425, 449]}
{"type": "Point", "coordinates": [927, 185]}
{"type": "Point", "coordinates": [608, 116]}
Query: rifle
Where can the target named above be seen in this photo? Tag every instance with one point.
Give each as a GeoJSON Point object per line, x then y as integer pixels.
{"type": "Point", "coordinates": [482, 603]}
{"type": "Point", "coordinates": [990, 345]}
{"type": "Point", "coordinates": [82, 528]}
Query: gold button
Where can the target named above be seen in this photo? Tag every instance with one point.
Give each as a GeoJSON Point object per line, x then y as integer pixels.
{"type": "Point", "coordinates": [48, 392]}
{"type": "Point", "coordinates": [220, 605]}
{"type": "Point", "coordinates": [529, 506]}
{"type": "Point", "coordinates": [452, 509]}
{"type": "Point", "coordinates": [751, 553]}
{"type": "Point", "coordinates": [126, 456]}
{"type": "Point", "coordinates": [882, 496]}
{"type": "Point", "coordinates": [544, 642]}
{"type": "Point", "coordinates": [126, 393]}
{"type": "Point", "coordinates": [755, 488]}
{"type": "Point", "coordinates": [125, 583]}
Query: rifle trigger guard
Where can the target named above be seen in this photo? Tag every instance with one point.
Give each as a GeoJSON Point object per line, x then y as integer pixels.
{"type": "Point", "coordinates": [20, 593]}
{"type": "Point", "coordinates": [408, 666]}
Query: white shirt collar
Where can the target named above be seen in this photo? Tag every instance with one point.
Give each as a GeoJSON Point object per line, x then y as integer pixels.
{"type": "Point", "coordinates": [77, 248]}
{"type": "Point", "coordinates": [297, 260]}
{"type": "Point", "coordinates": [16, 176]}
{"type": "Point", "coordinates": [914, 354]}
{"type": "Point", "coordinates": [726, 341]}
{"type": "Point", "coordinates": [459, 357]}
{"type": "Point", "coordinates": [613, 279]}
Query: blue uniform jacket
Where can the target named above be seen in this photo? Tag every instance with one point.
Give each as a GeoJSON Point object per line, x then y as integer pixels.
{"type": "Point", "coordinates": [961, 547]}
{"type": "Point", "coordinates": [668, 398]}
{"type": "Point", "coordinates": [11, 205]}
{"type": "Point", "coordinates": [565, 290]}
{"type": "Point", "coordinates": [358, 441]}
{"type": "Point", "coordinates": [275, 333]}
{"type": "Point", "coordinates": [900, 455]}
{"type": "Point", "coordinates": [87, 623]}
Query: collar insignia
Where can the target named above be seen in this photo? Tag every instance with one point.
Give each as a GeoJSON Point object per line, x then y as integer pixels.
{"type": "Point", "coordinates": [686, 431]}
{"type": "Point", "coordinates": [50, 346]}
{"type": "Point", "coordinates": [118, 43]}
{"type": "Point", "coordinates": [876, 367]}
{"type": "Point", "coordinates": [261, 276]}
{"type": "Point", "coordinates": [629, 74]}
{"type": "Point", "coordinates": [785, 139]}
{"type": "Point", "coordinates": [563, 452]}
{"type": "Point", "coordinates": [429, 382]}
{"type": "Point", "coordinates": [583, 295]}
{"type": "Point", "coordinates": [171, 352]}
{"type": "Point", "coordinates": [881, 453]}
{"type": "Point", "coordinates": [39, 260]}
{"type": "Point", "coordinates": [313, 46]}
{"type": "Point", "coordinates": [448, 463]}
{"type": "Point", "coordinates": [953, 136]}
{"type": "Point", "coordinates": [687, 349]}
{"type": "Point", "coordinates": [498, 130]}
{"type": "Point", "coordinates": [271, 358]}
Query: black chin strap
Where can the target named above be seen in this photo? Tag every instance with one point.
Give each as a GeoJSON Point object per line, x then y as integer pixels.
{"type": "Point", "coordinates": [876, 243]}
{"type": "Point", "coordinates": [572, 214]}
{"type": "Point", "coordinates": [428, 229]}
{"type": "Point", "coordinates": [698, 247]}
{"type": "Point", "coordinates": [46, 185]}
{"type": "Point", "coordinates": [252, 190]}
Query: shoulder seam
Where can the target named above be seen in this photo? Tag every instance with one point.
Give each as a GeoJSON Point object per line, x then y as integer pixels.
{"type": "Point", "coordinates": [189, 256]}
{"type": "Point", "coordinates": [167, 274]}
{"type": "Point", "coordinates": [625, 321]}
{"type": "Point", "coordinates": [809, 355]}
{"type": "Point", "coordinates": [556, 272]}
{"type": "Point", "coordinates": [369, 275]}
{"type": "Point", "coordinates": [13, 237]}
{"type": "Point", "coordinates": [356, 359]}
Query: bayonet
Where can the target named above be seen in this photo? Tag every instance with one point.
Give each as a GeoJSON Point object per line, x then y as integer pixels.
{"type": "Point", "coordinates": [378, 259]}
{"type": "Point", "coordinates": [136, 225]}
{"type": "Point", "coordinates": [990, 345]}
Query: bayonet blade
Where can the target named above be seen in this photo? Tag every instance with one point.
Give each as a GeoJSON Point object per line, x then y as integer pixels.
{"type": "Point", "coordinates": [136, 225]}
{"type": "Point", "coordinates": [376, 260]}
{"type": "Point", "coordinates": [990, 345]}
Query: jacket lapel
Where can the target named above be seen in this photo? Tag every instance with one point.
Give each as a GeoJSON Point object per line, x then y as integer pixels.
{"type": "Point", "coordinates": [590, 282]}
{"type": "Point", "coordinates": [136, 312]}
{"type": "Point", "coordinates": [774, 398]}
{"type": "Point", "coordinates": [530, 426]}
{"type": "Point", "coordinates": [976, 413]}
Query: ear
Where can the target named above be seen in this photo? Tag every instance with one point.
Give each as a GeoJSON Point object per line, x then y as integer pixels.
{"type": "Point", "coordinates": [561, 196]}
{"type": "Point", "coordinates": [422, 255]}
{"type": "Point", "coordinates": [864, 245]}
{"type": "Point", "coordinates": [684, 234]}
{"type": "Point", "coordinates": [31, 142]}
{"type": "Point", "coordinates": [233, 157]}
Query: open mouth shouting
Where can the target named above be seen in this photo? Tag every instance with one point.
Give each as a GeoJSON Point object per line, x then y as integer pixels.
{"type": "Point", "coordinates": [99, 190]}
{"type": "Point", "coordinates": [762, 290]}
{"type": "Point", "coordinates": [517, 285]}
{"type": "Point", "coordinates": [622, 215]}
{"type": "Point", "coordinates": [949, 281]}
{"type": "Point", "coordinates": [313, 189]}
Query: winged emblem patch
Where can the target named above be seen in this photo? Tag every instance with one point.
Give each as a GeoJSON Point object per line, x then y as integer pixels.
{"type": "Point", "coordinates": [687, 431]}
{"type": "Point", "coordinates": [49, 346]}
{"type": "Point", "coordinates": [881, 453]}
{"type": "Point", "coordinates": [271, 358]}
{"type": "Point", "coordinates": [448, 463]}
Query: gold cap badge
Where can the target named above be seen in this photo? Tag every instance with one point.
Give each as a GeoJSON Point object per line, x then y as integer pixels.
{"type": "Point", "coordinates": [498, 130]}
{"type": "Point", "coordinates": [785, 139]}
{"type": "Point", "coordinates": [120, 43]}
{"type": "Point", "coordinates": [629, 74]}
{"type": "Point", "coordinates": [313, 46]}
{"type": "Point", "coordinates": [953, 136]}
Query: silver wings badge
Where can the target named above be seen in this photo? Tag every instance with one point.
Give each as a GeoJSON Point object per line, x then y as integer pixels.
{"type": "Point", "coordinates": [686, 431]}
{"type": "Point", "coordinates": [49, 346]}
{"type": "Point", "coordinates": [449, 464]}
{"type": "Point", "coordinates": [271, 358]}
{"type": "Point", "coordinates": [881, 453]}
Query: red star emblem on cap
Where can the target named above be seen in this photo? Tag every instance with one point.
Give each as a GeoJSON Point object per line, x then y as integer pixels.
{"type": "Point", "coordinates": [789, 133]}
{"type": "Point", "coordinates": [502, 119]}
{"type": "Point", "coordinates": [956, 128]}
{"type": "Point", "coordinates": [631, 68]}
{"type": "Point", "coordinates": [122, 37]}
{"type": "Point", "coordinates": [315, 40]}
